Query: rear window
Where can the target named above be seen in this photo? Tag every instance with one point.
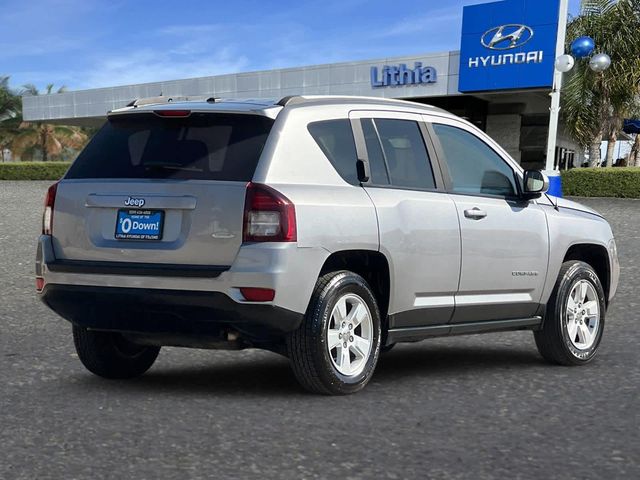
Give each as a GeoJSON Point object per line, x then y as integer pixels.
{"type": "Point", "coordinates": [335, 139]}
{"type": "Point", "coordinates": [202, 146]}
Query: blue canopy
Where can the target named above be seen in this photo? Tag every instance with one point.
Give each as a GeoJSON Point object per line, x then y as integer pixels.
{"type": "Point", "coordinates": [631, 126]}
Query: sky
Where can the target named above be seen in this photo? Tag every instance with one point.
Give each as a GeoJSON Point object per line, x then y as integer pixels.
{"type": "Point", "coordinates": [94, 43]}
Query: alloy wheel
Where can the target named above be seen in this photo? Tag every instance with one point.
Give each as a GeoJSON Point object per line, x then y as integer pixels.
{"type": "Point", "coordinates": [350, 335]}
{"type": "Point", "coordinates": [583, 315]}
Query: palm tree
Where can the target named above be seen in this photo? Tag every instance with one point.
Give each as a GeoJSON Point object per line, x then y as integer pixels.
{"type": "Point", "coordinates": [49, 140]}
{"type": "Point", "coordinates": [9, 101]}
{"type": "Point", "coordinates": [634, 156]}
{"type": "Point", "coordinates": [9, 115]}
{"type": "Point", "coordinates": [595, 104]}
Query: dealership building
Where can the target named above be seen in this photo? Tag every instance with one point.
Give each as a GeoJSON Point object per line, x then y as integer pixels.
{"type": "Point", "coordinates": [500, 80]}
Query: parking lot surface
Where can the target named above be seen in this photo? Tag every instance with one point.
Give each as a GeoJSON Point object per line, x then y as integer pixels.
{"type": "Point", "coordinates": [483, 406]}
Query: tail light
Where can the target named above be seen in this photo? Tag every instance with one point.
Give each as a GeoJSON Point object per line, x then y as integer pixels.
{"type": "Point", "coordinates": [49, 201]}
{"type": "Point", "coordinates": [269, 216]}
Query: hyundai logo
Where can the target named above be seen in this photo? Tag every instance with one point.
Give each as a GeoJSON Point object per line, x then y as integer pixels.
{"type": "Point", "coordinates": [506, 37]}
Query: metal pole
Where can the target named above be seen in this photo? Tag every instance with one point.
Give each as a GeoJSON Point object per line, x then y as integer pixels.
{"type": "Point", "coordinates": [557, 85]}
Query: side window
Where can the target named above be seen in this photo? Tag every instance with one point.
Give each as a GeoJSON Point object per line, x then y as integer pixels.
{"type": "Point", "coordinates": [473, 166]}
{"type": "Point", "coordinates": [335, 139]}
{"type": "Point", "coordinates": [378, 170]}
{"type": "Point", "coordinates": [405, 153]}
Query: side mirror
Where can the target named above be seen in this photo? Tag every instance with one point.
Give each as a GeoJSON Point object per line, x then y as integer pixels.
{"type": "Point", "coordinates": [535, 183]}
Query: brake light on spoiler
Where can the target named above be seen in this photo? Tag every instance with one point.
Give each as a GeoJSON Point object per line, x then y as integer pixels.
{"type": "Point", "coordinates": [173, 113]}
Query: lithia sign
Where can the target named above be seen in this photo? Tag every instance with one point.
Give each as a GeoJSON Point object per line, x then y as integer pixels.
{"type": "Point", "coordinates": [396, 75]}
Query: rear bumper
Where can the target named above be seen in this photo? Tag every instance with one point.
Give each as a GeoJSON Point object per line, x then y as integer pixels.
{"type": "Point", "coordinates": [155, 311]}
{"type": "Point", "coordinates": [185, 299]}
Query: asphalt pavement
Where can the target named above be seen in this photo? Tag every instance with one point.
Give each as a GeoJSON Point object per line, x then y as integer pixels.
{"type": "Point", "coordinates": [483, 406]}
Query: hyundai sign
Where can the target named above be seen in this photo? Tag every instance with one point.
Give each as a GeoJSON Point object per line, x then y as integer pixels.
{"type": "Point", "coordinates": [508, 45]}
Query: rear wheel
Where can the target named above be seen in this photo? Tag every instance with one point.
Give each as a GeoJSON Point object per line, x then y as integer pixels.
{"type": "Point", "coordinates": [110, 355]}
{"type": "Point", "coordinates": [336, 348]}
{"type": "Point", "coordinates": [574, 320]}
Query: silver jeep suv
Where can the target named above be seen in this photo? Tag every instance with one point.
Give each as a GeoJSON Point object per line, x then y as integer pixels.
{"type": "Point", "coordinates": [326, 229]}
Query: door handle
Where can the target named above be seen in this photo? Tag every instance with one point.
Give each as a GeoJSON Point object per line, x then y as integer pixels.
{"type": "Point", "coordinates": [475, 213]}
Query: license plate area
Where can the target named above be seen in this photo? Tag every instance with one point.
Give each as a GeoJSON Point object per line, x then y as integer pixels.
{"type": "Point", "coordinates": [134, 224]}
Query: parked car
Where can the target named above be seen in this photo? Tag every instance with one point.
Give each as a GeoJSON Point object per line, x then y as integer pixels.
{"type": "Point", "coordinates": [326, 229]}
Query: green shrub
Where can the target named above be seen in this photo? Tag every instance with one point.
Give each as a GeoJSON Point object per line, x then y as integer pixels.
{"type": "Point", "coordinates": [33, 170]}
{"type": "Point", "coordinates": [623, 182]}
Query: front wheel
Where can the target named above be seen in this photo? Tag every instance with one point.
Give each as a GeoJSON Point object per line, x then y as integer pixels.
{"type": "Point", "coordinates": [336, 348]}
{"type": "Point", "coordinates": [111, 355]}
{"type": "Point", "coordinates": [574, 319]}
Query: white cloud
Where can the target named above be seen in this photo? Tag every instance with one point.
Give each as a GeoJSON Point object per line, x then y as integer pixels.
{"type": "Point", "coordinates": [147, 65]}
{"type": "Point", "coordinates": [423, 23]}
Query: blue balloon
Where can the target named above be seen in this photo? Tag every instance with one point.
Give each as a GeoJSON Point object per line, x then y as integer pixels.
{"type": "Point", "coordinates": [582, 47]}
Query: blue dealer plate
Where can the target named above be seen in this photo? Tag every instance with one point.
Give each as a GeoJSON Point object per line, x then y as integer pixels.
{"type": "Point", "coordinates": [139, 224]}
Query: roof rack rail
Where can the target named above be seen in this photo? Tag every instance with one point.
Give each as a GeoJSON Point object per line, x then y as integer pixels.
{"type": "Point", "coordinates": [289, 100]}
{"type": "Point", "coordinates": [165, 99]}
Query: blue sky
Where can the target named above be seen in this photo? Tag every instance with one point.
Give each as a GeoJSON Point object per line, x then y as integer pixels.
{"type": "Point", "coordinates": [95, 43]}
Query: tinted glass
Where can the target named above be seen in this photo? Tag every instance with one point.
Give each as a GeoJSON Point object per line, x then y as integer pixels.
{"type": "Point", "coordinates": [335, 139]}
{"type": "Point", "coordinates": [377, 167]}
{"type": "Point", "coordinates": [405, 153]}
{"type": "Point", "coordinates": [473, 166]}
{"type": "Point", "coordinates": [202, 146]}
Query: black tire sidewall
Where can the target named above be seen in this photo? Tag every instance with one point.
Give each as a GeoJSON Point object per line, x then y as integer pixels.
{"type": "Point", "coordinates": [578, 271]}
{"type": "Point", "coordinates": [342, 284]}
{"type": "Point", "coordinates": [102, 353]}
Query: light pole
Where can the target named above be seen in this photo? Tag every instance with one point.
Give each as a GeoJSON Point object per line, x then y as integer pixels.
{"type": "Point", "coordinates": [554, 110]}
{"type": "Point", "coordinates": [581, 48]}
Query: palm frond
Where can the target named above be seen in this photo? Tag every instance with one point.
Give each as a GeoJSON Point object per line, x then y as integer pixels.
{"type": "Point", "coordinates": [29, 89]}
{"type": "Point", "coordinates": [594, 103]}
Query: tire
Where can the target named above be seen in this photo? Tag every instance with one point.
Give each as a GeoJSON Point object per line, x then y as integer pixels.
{"type": "Point", "coordinates": [339, 370]}
{"type": "Point", "coordinates": [571, 332]}
{"type": "Point", "coordinates": [110, 355]}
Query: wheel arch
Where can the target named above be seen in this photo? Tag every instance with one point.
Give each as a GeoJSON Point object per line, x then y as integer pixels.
{"type": "Point", "coordinates": [598, 257]}
{"type": "Point", "coordinates": [371, 265]}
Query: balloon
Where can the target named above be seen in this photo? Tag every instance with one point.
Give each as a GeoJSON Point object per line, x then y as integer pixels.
{"type": "Point", "coordinates": [564, 63]}
{"type": "Point", "coordinates": [600, 62]}
{"type": "Point", "coordinates": [582, 47]}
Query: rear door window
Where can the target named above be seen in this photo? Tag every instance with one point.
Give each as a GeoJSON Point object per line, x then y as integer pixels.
{"type": "Point", "coordinates": [202, 146]}
{"type": "Point", "coordinates": [405, 154]}
{"type": "Point", "coordinates": [379, 174]}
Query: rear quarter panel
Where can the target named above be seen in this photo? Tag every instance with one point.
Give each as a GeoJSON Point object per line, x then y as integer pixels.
{"type": "Point", "coordinates": [330, 213]}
